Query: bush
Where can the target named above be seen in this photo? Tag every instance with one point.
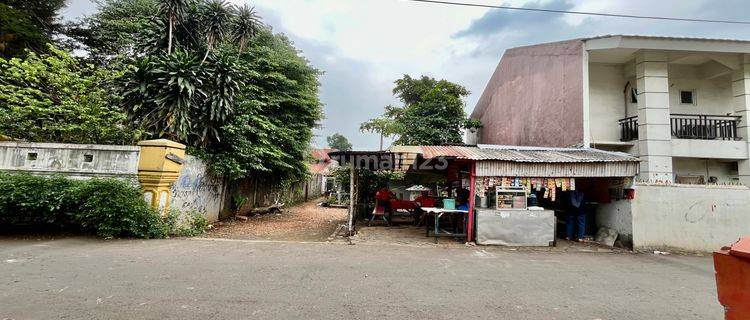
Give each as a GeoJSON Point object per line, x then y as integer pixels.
{"type": "Point", "coordinates": [112, 208]}
{"type": "Point", "coordinates": [106, 207]}
{"type": "Point", "coordinates": [182, 224]}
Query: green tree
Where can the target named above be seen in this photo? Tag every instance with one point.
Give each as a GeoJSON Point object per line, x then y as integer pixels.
{"type": "Point", "coordinates": [216, 17]}
{"type": "Point", "coordinates": [163, 94]}
{"type": "Point", "coordinates": [27, 24]}
{"type": "Point", "coordinates": [56, 98]}
{"type": "Point", "coordinates": [382, 125]}
{"type": "Point", "coordinates": [432, 114]}
{"type": "Point", "coordinates": [119, 28]}
{"type": "Point", "coordinates": [269, 133]}
{"type": "Point", "coordinates": [246, 25]}
{"type": "Point", "coordinates": [248, 108]}
{"type": "Point", "coordinates": [174, 9]}
{"type": "Point", "coordinates": [339, 142]}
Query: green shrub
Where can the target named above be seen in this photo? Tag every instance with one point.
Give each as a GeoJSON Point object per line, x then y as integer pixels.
{"type": "Point", "coordinates": [112, 208]}
{"type": "Point", "coordinates": [106, 207]}
{"type": "Point", "coordinates": [28, 199]}
{"type": "Point", "coordinates": [185, 224]}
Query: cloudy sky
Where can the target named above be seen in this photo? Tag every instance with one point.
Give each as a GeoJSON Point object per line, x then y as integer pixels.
{"type": "Point", "coordinates": [364, 45]}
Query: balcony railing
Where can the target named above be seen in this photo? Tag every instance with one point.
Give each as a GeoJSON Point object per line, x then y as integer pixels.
{"type": "Point", "coordinates": [629, 129]}
{"type": "Point", "coordinates": [689, 126]}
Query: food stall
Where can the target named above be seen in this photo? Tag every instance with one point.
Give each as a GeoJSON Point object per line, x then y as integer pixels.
{"type": "Point", "coordinates": [520, 193]}
{"type": "Point", "coordinates": [504, 216]}
{"type": "Point", "coordinates": [504, 195]}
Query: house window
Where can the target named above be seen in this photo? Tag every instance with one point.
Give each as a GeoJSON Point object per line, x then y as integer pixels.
{"type": "Point", "coordinates": [687, 97]}
{"type": "Point", "coordinates": [31, 156]}
{"type": "Point", "coordinates": [88, 158]}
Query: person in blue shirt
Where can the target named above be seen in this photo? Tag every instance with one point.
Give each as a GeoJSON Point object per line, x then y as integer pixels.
{"type": "Point", "coordinates": [575, 223]}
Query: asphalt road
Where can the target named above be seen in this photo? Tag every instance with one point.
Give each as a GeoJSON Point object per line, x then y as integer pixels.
{"type": "Point", "coordinates": [219, 279]}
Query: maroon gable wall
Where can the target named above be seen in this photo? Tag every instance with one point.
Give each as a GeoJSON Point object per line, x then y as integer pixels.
{"type": "Point", "coordinates": [535, 97]}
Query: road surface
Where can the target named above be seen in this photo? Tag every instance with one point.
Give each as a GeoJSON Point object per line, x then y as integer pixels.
{"type": "Point", "coordinates": [82, 278]}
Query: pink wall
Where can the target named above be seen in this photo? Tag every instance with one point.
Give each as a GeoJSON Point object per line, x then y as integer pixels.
{"type": "Point", "coordinates": [535, 97]}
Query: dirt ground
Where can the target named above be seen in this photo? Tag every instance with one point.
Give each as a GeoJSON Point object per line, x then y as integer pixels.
{"type": "Point", "coordinates": [304, 222]}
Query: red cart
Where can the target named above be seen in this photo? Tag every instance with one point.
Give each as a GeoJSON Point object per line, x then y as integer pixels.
{"type": "Point", "coordinates": [732, 265]}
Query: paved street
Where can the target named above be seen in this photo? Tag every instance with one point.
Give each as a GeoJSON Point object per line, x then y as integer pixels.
{"type": "Point", "coordinates": [83, 278]}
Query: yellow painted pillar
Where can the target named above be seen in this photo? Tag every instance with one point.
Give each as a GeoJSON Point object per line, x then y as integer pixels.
{"type": "Point", "coordinates": [158, 168]}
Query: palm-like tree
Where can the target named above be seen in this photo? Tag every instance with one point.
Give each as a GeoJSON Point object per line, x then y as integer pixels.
{"type": "Point", "coordinates": [217, 16]}
{"type": "Point", "coordinates": [174, 10]}
{"type": "Point", "coordinates": [246, 25]}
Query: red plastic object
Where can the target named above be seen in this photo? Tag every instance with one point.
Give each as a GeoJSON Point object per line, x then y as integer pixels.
{"type": "Point", "coordinates": [732, 265]}
{"type": "Point", "coordinates": [403, 204]}
{"type": "Point", "coordinates": [741, 248]}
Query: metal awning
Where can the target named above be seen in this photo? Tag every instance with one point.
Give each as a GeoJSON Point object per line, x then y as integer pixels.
{"type": "Point", "coordinates": [517, 161]}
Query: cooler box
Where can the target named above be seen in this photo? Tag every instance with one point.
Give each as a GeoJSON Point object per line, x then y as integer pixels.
{"type": "Point", "coordinates": [732, 265]}
{"type": "Point", "coordinates": [449, 204]}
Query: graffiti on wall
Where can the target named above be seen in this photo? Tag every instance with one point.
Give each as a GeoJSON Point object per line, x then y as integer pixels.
{"type": "Point", "coordinates": [198, 190]}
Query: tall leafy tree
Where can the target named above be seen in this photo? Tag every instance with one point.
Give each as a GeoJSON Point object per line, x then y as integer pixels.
{"type": "Point", "coordinates": [120, 28]}
{"type": "Point", "coordinates": [162, 94]}
{"type": "Point", "coordinates": [432, 113]}
{"type": "Point", "coordinates": [339, 142]}
{"type": "Point", "coordinates": [174, 9]}
{"type": "Point", "coordinates": [246, 25]}
{"type": "Point", "coordinates": [278, 105]}
{"type": "Point", "coordinates": [382, 125]}
{"type": "Point", "coordinates": [56, 98]}
{"type": "Point", "coordinates": [27, 24]}
{"type": "Point", "coordinates": [240, 96]}
{"type": "Point", "coordinates": [216, 17]}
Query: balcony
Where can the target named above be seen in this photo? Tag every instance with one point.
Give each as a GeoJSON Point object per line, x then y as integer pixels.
{"type": "Point", "coordinates": [689, 126]}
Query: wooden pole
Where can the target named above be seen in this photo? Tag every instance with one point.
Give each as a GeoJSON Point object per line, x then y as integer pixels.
{"type": "Point", "coordinates": [472, 196]}
{"type": "Point", "coordinates": [351, 198]}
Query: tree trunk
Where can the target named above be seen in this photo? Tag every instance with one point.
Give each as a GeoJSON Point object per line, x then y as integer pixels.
{"type": "Point", "coordinates": [171, 26]}
{"type": "Point", "coordinates": [209, 45]}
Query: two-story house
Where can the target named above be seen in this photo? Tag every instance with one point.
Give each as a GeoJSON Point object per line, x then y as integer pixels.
{"type": "Point", "coordinates": [680, 104]}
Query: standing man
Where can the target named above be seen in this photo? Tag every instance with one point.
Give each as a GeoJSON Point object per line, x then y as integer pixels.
{"type": "Point", "coordinates": [576, 220]}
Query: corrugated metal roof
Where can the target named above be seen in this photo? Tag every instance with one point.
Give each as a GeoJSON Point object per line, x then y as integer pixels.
{"type": "Point", "coordinates": [525, 154]}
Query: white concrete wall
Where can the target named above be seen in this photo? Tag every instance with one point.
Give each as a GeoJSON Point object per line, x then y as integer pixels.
{"type": "Point", "coordinates": [695, 218]}
{"type": "Point", "coordinates": [713, 96]}
{"type": "Point", "coordinates": [616, 215]}
{"type": "Point", "coordinates": [709, 149]}
{"type": "Point", "coordinates": [198, 190]}
{"type": "Point", "coordinates": [72, 160]}
{"type": "Point", "coordinates": [606, 101]}
{"type": "Point", "coordinates": [726, 171]}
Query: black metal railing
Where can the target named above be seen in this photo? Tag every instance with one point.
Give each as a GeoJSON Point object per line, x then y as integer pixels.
{"type": "Point", "coordinates": [629, 129]}
{"type": "Point", "coordinates": [689, 126]}
{"type": "Point", "coordinates": [706, 127]}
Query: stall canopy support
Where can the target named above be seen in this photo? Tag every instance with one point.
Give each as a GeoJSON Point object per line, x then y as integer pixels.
{"type": "Point", "coordinates": [472, 196]}
{"type": "Point", "coordinates": [351, 199]}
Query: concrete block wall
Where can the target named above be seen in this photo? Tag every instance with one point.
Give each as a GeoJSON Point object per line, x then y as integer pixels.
{"type": "Point", "coordinates": [195, 189]}
{"type": "Point", "coordinates": [685, 217]}
{"type": "Point", "coordinates": [618, 216]}
{"type": "Point", "coordinates": [690, 217]}
{"type": "Point", "coordinates": [198, 190]}
{"type": "Point", "coordinates": [73, 160]}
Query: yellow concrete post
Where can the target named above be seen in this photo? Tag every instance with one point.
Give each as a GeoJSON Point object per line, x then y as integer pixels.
{"type": "Point", "coordinates": [159, 166]}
